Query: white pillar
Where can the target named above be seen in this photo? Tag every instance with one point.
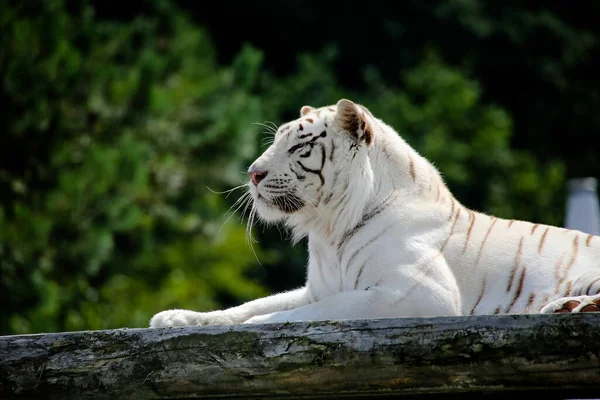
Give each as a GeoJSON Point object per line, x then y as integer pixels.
{"type": "Point", "coordinates": [583, 211]}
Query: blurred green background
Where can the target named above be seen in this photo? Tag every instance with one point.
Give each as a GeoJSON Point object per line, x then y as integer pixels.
{"type": "Point", "coordinates": [123, 123]}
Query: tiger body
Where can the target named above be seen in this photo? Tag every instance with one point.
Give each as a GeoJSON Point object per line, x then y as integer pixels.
{"type": "Point", "coordinates": [386, 237]}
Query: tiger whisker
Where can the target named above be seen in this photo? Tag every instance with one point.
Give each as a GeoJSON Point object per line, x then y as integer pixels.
{"type": "Point", "coordinates": [248, 202]}
{"type": "Point", "coordinates": [274, 125]}
{"type": "Point", "coordinates": [249, 238]}
{"type": "Point", "coordinates": [271, 129]}
{"type": "Point", "coordinates": [267, 141]}
{"type": "Point", "coordinates": [244, 198]}
{"type": "Point", "coordinates": [245, 201]}
{"type": "Point", "coordinates": [240, 202]}
{"type": "Point", "coordinates": [228, 191]}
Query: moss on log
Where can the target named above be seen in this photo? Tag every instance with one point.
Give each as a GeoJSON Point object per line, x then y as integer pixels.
{"type": "Point", "coordinates": [556, 355]}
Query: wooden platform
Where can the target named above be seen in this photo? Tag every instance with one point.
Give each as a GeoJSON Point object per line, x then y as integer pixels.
{"type": "Point", "coordinates": [556, 356]}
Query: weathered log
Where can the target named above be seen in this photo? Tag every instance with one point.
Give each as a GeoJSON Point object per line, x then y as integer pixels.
{"type": "Point", "coordinates": [556, 355]}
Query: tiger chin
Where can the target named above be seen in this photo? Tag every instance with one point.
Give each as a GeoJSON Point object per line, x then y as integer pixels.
{"type": "Point", "coordinates": [386, 237]}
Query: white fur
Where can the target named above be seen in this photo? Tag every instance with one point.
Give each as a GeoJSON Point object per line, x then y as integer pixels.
{"type": "Point", "coordinates": [392, 241]}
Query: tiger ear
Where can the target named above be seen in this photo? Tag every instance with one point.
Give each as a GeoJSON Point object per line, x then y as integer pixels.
{"type": "Point", "coordinates": [351, 118]}
{"type": "Point", "coordinates": [305, 110]}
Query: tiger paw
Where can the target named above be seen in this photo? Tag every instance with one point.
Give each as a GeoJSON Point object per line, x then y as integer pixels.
{"type": "Point", "coordinates": [573, 304]}
{"type": "Point", "coordinates": [175, 318]}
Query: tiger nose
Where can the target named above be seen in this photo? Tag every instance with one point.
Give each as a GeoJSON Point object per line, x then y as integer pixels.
{"type": "Point", "coordinates": [256, 176]}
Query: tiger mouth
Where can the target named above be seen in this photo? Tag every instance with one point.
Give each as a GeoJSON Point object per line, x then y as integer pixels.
{"type": "Point", "coordinates": [288, 203]}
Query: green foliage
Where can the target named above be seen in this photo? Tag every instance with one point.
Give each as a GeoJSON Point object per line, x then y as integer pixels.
{"type": "Point", "coordinates": [122, 127]}
{"type": "Point", "coordinates": [121, 136]}
{"type": "Point", "coordinates": [441, 113]}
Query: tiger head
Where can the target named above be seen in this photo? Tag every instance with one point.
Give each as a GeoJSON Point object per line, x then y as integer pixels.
{"type": "Point", "coordinates": [315, 164]}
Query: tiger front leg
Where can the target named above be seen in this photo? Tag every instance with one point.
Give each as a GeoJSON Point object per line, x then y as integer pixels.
{"type": "Point", "coordinates": [234, 315]}
{"type": "Point", "coordinates": [375, 302]}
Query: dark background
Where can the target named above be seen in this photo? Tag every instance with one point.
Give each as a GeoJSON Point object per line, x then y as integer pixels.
{"type": "Point", "coordinates": [122, 121]}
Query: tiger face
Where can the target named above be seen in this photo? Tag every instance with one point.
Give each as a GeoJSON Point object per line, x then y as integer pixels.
{"type": "Point", "coordinates": [307, 163]}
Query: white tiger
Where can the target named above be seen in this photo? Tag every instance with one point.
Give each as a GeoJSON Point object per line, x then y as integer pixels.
{"type": "Point", "coordinates": [386, 238]}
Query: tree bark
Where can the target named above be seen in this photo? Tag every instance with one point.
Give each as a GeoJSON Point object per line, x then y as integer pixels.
{"type": "Point", "coordinates": [552, 355]}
